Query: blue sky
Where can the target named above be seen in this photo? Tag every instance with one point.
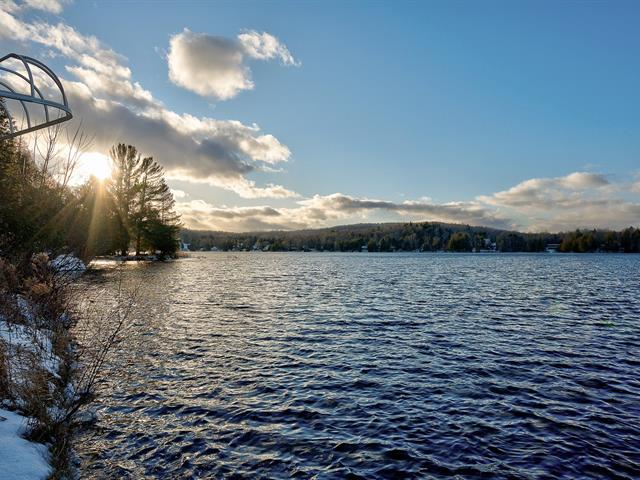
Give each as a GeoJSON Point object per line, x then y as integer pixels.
{"type": "Point", "coordinates": [436, 104]}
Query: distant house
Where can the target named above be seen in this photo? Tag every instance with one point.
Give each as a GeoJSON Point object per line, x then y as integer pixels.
{"type": "Point", "coordinates": [552, 247]}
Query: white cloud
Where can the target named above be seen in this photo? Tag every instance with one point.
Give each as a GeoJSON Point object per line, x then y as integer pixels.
{"type": "Point", "coordinates": [214, 66]}
{"type": "Point", "coordinates": [635, 185]}
{"type": "Point", "coordinates": [548, 193]}
{"type": "Point", "coordinates": [120, 89]}
{"type": "Point", "coordinates": [577, 200]}
{"type": "Point", "coordinates": [85, 50]}
{"type": "Point", "coordinates": [612, 213]}
{"type": "Point", "coordinates": [264, 46]}
{"type": "Point", "coordinates": [208, 65]}
{"type": "Point", "coordinates": [199, 214]}
{"type": "Point", "coordinates": [179, 194]}
{"type": "Point", "coordinates": [50, 6]}
{"type": "Point", "coordinates": [582, 180]}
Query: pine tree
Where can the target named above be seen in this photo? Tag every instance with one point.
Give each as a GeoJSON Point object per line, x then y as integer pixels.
{"type": "Point", "coordinates": [144, 203]}
{"type": "Point", "coordinates": [123, 188]}
{"type": "Point", "coordinates": [154, 204]}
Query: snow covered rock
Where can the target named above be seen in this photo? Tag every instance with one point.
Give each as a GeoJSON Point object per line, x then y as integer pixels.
{"type": "Point", "coordinates": [68, 263]}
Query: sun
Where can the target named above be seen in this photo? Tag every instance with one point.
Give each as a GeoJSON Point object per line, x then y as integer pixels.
{"type": "Point", "coordinates": [97, 165]}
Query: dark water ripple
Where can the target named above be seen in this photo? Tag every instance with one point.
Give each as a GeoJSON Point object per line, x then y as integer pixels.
{"type": "Point", "coordinates": [378, 366]}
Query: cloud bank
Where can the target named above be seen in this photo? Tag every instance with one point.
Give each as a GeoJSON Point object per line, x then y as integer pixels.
{"type": "Point", "coordinates": [577, 200]}
{"type": "Point", "coordinates": [324, 210]}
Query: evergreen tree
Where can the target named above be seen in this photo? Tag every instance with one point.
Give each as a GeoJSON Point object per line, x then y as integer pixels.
{"type": "Point", "coordinates": [143, 203]}
{"type": "Point", "coordinates": [123, 188]}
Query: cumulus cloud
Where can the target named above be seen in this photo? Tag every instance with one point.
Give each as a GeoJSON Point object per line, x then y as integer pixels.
{"type": "Point", "coordinates": [214, 66]}
{"type": "Point", "coordinates": [604, 213]}
{"type": "Point", "coordinates": [120, 89]}
{"type": "Point", "coordinates": [548, 193]}
{"type": "Point", "coordinates": [208, 65]}
{"type": "Point", "coordinates": [577, 200]}
{"type": "Point", "coordinates": [197, 149]}
{"type": "Point", "coordinates": [265, 46]}
{"type": "Point", "coordinates": [86, 50]}
{"type": "Point", "coordinates": [50, 6]}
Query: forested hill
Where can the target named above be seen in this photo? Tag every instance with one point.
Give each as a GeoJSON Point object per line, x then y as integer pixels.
{"type": "Point", "coordinates": [424, 236]}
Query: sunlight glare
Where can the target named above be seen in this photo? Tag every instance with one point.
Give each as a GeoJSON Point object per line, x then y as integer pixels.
{"type": "Point", "coordinates": [96, 164]}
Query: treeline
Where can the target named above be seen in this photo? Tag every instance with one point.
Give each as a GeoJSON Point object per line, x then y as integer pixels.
{"type": "Point", "coordinates": [423, 236]}
{"type": "Point", "coordinates": [627, 240]}
{"type": "Point", "coordinates": [40, 211]}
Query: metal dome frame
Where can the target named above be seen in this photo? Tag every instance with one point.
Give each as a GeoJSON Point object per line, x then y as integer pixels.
{"type": "Point", "coordinates": [36, 97]}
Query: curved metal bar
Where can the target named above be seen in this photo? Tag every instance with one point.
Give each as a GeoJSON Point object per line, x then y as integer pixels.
{"type": "Point", "coordinates": [37, 127]}
{"type": "Point", "coordinates": [10, 93]}
{"type": "Point", "coordinates": [46, 109]}
{"type": "Point", "coordinates": [26, 98]}
{"type": "Point", "coordinates": [24, 107]}
{"type": "Point", "coordinates": [26, 67]}
{"type": "Point", "coordinates": [10, 118]}
{"type": "Point", "coordinates": [53, 76]}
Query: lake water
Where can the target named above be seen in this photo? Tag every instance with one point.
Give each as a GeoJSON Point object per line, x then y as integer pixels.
{"type": "Point", "coordinates": [320, 365]}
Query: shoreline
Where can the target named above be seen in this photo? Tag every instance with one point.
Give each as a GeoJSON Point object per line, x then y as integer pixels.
{"type": "Point", "coordinates": [139, 258]}
{"type": "Point", "coordinates": [50, 363]}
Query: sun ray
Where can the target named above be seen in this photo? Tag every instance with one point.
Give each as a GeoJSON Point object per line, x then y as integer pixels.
{"type": "Point", "coordinates": [94, 164]}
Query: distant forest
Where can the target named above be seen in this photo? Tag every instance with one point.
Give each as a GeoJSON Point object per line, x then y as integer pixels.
{"type": "Point", "coordinates": [423, 236]}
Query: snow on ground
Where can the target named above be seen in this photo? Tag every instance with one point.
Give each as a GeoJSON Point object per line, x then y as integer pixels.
{"type": "Point", "coordinates": [25, 346]}
{"type": "Point", "coordinates": [21, 340]}
{"type": "Point", "coordinates": [68, 263]}
{"type": "Point", "coordinates": [19, 458]}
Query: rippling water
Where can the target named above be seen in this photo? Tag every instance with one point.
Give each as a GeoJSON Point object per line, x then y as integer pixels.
{"type": "Point", "coordinates": [377, 366]}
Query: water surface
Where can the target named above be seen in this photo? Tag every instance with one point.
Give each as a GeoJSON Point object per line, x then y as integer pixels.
{"type": "Point", "coordinates": [257, 365]}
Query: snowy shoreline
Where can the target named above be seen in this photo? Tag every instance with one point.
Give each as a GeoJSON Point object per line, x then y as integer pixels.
{"type": "Point", "coordinates": [29, 359]}
{"type": "Point", "coordinates": [20, 459]}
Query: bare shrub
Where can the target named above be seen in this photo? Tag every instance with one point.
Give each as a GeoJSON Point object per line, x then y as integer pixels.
{"type": "Point", "coordinates": [8, 277]}
{"type": "Point", "coordinates": [5, 391]}
{"type": "Point", "coordinates": [8, 287]}
{"type": "Point", "coordinates": [99, 333]}
{"type": "Point", "coordinates": [36, 393]}
{"type": "Point", "coordinates": [58, 151]}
